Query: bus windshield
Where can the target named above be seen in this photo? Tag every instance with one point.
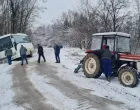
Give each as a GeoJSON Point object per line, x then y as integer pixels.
{"type": "Point", "coordinates": [21, 39]}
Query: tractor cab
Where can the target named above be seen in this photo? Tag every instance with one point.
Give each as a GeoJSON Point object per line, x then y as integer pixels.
{"type": "Point", "coordinates": [124, 64]}
{"type": "Point", "coordinates": [117, 41]}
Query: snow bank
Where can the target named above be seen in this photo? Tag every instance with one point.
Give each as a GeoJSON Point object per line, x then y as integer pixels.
{"type": "Point", "coordinates": [113, 91]}
{"type": "Point", "coordinates": [6, 91]}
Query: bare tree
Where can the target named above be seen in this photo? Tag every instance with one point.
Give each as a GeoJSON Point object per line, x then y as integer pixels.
{"type": "Point", "coordinates": [76, 27]}
{"type": "Point", "coordinates": [115, 11]}
{"type": "Point", "coordinates": [136, 26]}
{"type": "Point", "coordinates": [16, 15]}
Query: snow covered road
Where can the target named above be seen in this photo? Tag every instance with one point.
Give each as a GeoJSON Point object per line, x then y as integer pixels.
{"type": "Point", "coordinates": [50, 86]}
{"type": "Point", "coordinates": [25, 94]}
{"type": "Point", "coordinates": [38, 87]}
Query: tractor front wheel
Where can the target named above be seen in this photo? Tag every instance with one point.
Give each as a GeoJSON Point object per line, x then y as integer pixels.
{"type": "Point", "coordinates": [91, 66]}
{"type": "Point", "coordinates": [128, 77]}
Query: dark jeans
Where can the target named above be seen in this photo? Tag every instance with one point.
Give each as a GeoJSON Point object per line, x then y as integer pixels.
{"type": "Point", "coordinates": [9, 60]}
{"type": "Point", "coordinates": [39, 56]}
{"type": "Point", "coordinates": [78, 68]}
{"type": "Point", "coordinates": [57, 57]}
{"type": "Point", "coordinates": [107, 66]}
{"type": "Point", "coordinates": [24, 57]}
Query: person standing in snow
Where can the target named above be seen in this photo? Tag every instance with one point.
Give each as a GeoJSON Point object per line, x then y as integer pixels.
{"type": "Point", "coordinates": [23, 51]}
{"type": "Point", "coordinates": [106, 56]}
{"type": "Point", "coordinates": [57, 52]}
{"type": "Point", "coordinates": [8, 54]}
{"type": "Point", "coordinates": [40, 53]}
{"type": "Point", "coordinates": [107, 62]}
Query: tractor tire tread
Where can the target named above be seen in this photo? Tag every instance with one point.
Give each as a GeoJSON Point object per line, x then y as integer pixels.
{"type": "Point", "coordinates": [97, 71]}
{"type": "Point", "coordinates": [134, 73]}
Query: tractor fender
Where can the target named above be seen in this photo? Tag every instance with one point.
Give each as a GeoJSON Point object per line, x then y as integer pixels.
{"type": "Point", "coordinates": [122, 66]}
{"type": "Point", "coordinates": [125, 65]}
{"type": "Point", "coordinates": [89, 51]}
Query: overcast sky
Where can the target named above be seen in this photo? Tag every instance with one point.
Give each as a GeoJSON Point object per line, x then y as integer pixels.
{"type": "Point", "coordinates": [54, 10]}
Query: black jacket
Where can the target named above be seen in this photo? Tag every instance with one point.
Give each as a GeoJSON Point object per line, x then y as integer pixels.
{"type": "Point", "coordinates": [40, 50]}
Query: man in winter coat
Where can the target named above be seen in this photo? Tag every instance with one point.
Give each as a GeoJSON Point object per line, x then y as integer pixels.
{"type": "Point", "coordinates": [57, 53]}
{"type": "Point", "coordinates": [23, 51]}
{"type": "Point", "coordinates": [106, 56]}
{"type": "Point", "coordinates": [8, 54]}
{"type": "Point", "coordinates": [40, 53]}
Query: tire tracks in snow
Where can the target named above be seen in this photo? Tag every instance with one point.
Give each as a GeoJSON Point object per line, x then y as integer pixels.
{"type": "Point", "coordinates": [86, 101]}
{"type": "Point", "coordinates": [26, 94]}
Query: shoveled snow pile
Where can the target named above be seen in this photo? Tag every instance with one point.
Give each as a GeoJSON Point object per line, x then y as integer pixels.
{"type": "Point", "coordinates": [6, 91]}
{"type": "Point", "coordinates": [70, 57]}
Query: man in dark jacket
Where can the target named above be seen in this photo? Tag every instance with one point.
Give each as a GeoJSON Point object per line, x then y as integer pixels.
{"type": "Point", "coordinates": [40, 53]}
{"type": "Point", "coordinates": [8, 54]}
{"type": "Point", "coordinates": [106, 56]}
{"type": "Point", "coordinates": [57, 52]}
{"type": "Point", "coordinates": [23, 52]}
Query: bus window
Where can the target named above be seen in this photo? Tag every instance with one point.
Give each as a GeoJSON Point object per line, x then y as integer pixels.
{"type": "Point", "coordinates": [5, 43]}
{"type": "Point", "coordinates": [21, 39]}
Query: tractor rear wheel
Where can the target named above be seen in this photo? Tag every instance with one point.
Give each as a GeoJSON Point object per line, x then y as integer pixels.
{"type": "Point", "coordinates": [128, 77]}
{"type": "Point", "coordinates": [91, 66]}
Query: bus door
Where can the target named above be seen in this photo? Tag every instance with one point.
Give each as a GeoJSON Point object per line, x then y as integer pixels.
{"type": "Point", "coordinates": [14, 42]}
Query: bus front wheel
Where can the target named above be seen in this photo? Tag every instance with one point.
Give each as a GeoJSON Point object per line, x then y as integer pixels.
{"type": "Point", "coordinates": [31, 54]}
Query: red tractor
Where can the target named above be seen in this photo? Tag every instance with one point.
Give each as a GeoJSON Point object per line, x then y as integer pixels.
{"type": "Point", "coordinates": [125, 65]}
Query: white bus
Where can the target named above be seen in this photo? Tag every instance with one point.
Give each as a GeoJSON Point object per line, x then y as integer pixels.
{"type": "Point", "coordinates": [14, 41]}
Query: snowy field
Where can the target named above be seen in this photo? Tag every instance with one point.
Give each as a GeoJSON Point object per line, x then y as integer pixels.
{"type": "Point", "coordinates": [69, 61]}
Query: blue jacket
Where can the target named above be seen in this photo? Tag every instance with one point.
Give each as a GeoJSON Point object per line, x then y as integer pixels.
{"type": "Point", "coordinates": [56, 49]}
